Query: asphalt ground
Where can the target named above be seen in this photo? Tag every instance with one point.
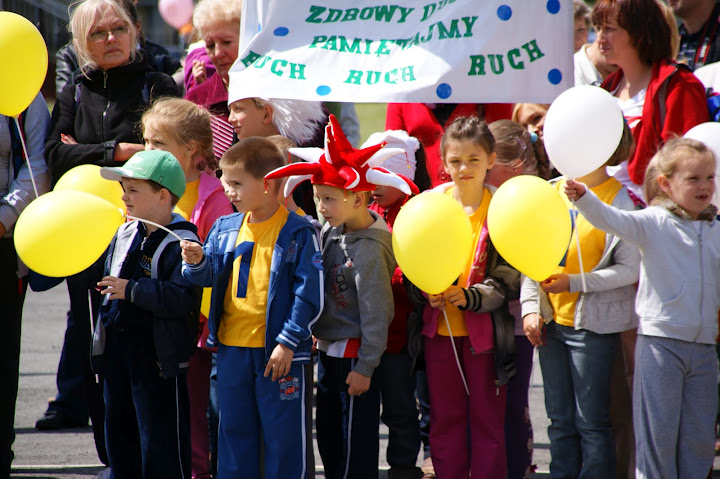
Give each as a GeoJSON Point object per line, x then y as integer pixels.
{"type": "Point", "coordinates": [71, 453]}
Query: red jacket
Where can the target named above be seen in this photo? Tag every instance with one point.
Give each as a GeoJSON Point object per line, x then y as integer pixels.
{"type": "Point", "coordinates": [674, 102]}
{"type": "Point", "coordinates": [418, 120]}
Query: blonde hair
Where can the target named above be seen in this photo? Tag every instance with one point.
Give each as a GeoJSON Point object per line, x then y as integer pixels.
{"type": "Point", "coordinates": [283, 144]}
{"type": "Point", "coordinates": [666, 160]}
{"type": "Point", "coordinates": [212, 12]}
{"type": "Point", "coordinates": [82, 20]}
{"type": "Point", "coordinates": [184, 122]}
{"type": "Point", "coordinates": [518, 106]}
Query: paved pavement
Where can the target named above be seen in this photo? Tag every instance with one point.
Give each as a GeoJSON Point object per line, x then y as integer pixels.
{"type": "Point", "coordinates": [71, 453]}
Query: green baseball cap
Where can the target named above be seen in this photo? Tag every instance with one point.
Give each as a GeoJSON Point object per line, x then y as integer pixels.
{"type": "Point", "coordinates": [158, 166]}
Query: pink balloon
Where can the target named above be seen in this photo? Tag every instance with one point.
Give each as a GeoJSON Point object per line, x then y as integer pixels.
{"type": "Point", "coordinates": [176, 13]}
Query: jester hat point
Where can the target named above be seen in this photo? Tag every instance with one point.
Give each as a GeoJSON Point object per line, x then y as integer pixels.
{"type": "Point", "coordinates": [342, 166]}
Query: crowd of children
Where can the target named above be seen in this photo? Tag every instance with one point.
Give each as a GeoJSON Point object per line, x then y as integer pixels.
{"type": "Point", "coordinates": [250, 265]}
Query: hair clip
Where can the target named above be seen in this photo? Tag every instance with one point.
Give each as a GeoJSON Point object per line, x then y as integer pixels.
{"type": "Point", "coordinates": [533, 137]}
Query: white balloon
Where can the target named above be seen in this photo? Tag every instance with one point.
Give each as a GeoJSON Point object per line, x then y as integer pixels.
{"type": "Point", "coordinates": [583, 127]}
{"type": "Point", "coordinates": [709, 133]}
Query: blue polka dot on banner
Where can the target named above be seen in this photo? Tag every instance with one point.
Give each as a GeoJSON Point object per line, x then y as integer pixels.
{"type": "Point", "coordinates": [281, 31]}
{"type": "Point", "coordinates": [444, 91]}
{"type": "Point", "coordinates": [554, 76]}
{"type": "Point", "coordinates": [553, 6]}
{"type": "Point", "coordinates": [504, 12]}
{"type": "Point", "coordinates": [323, 90]}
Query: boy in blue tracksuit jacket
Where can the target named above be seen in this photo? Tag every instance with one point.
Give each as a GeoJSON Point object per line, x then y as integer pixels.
{"type": "Point", "coordinates": [147, 325]}
{"type": "Point", "coordinates": [265, 269]}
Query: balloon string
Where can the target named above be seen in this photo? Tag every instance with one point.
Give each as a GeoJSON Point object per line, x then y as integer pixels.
{"type": "Point", "coordinates": [154, 224]}
{"type": "Point", "coordinates": [27, 157]}
{"type": "Point", "coordinates": [579, 252]}
{"type": "Point", "coordinates": [457, 358]}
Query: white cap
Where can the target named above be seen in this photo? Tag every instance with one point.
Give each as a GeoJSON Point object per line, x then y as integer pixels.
{"type": "Point", "coordinates": [403, 164]}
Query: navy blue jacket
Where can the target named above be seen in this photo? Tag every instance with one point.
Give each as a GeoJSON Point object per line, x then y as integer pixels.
{"type": "Point", "coordinates": [167, 299]}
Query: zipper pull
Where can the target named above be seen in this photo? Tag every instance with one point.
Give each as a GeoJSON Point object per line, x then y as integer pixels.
{"type": "Point", "coordinates": [105, 79]}
{"type": "Point", "coordinates": [497, 388]}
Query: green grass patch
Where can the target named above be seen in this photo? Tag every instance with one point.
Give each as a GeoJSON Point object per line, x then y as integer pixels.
{"type": "Point", "coordinates": [372, 118]}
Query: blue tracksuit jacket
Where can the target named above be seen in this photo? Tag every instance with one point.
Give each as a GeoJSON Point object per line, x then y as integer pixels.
{"type": "Point", "coordinates": [295, 293]}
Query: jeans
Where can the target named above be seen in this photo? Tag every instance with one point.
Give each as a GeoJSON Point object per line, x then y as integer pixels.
{"type": "Point", "coordinates": [576, 367]}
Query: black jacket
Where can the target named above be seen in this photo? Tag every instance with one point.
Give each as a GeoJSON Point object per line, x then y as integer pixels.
{"type": "Point", "coordinates": [101, 110]}
{"type": "Point", "coordinates": [66, 62]}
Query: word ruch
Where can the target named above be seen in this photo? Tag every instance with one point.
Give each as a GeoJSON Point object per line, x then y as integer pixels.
{"type": "Point", "coordinates": [497, 65]}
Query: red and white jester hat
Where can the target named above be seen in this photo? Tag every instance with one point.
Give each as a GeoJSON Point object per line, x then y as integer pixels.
{"type": "Point", "coordinates": [343, 166]}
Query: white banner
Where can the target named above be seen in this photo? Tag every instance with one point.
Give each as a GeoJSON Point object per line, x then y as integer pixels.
{"type": "Point", "coordinates": [454, 51]}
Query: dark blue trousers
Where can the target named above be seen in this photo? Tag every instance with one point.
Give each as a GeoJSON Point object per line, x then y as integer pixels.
{"type": "Point", "coordinates": [12, 295]}
{"type": "Point", "coordinates": [147, 417]}
{"type": "Point", "coordinates": [347, 426]}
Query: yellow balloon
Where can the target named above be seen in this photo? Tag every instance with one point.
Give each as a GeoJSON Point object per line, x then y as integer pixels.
{"type": "Point", "coordinates": [529, 224]}
{"type": "Point", "coordinates": [86, 178]}
{"type": "Point", "coordinates": [62, 233]}
{"type": "Point", "coordinates": [25, 58]}
{"type": "Point", "coordinates": [432, 241]}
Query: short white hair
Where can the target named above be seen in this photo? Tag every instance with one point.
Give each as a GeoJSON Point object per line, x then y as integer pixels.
{"type": "Point", "coordinates": [212, 12]}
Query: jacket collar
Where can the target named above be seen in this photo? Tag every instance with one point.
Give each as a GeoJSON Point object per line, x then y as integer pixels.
{"type": "Point", "coordinates": [708, 214]}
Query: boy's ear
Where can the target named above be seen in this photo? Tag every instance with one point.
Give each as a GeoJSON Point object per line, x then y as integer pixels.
{"type": "Point", "coordinates": [268, 112]}
{"type": "Point", "coordinates": [359, 199]}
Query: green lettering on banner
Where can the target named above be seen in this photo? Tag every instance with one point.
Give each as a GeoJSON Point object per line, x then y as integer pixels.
{"type": "Point", "coordinates": [404, 12]}
{"type": "Point", "coordinates": [428, 11]}
{"type": "Point", "coordinates": [408, 73]}
{"type": "Point", "coordinates": [477, 65]}
{"type": "Point", "coordinates": [331, 43]}
{"type": "Point", "coordinates": [512, 55]}
{"type": "Point", "coordinates": [315, 12]}
{"type": "Point", "coordinates": [275, 69]}
{"type": "Point", "coordinates": [333, 15]}
{"type": "Point", "coordinates": [382, 48]}
{"type": "Point", "coordinates": [444, 33]}
{"type": "Point", "coordinates": [318, 39]}
{"type": "Point", "coordinates": [366, 13]}
{"type": "Point", "coordinates": [372, 77]}
{"type": "Point", "coordinates": [384, 13]}
{"type": "Point", "coordinates": [346, 47]}
{"type": "Point", "coordinates": [297, 71]}
{"type": "Point", "coordinates": [262, 61]}
{"type": "Point", "coordinates": [250, 58]}
{"type": "Point", "coordinates": [533, 50]}
{"type": "Point", "coordinates": [351, 15]}
{"type": "Point", "coordinates": [469, 22]}
{"type": "Point", "coordinates": [496, 64]}
{"type": "Point", "coordinates": [355, 76]}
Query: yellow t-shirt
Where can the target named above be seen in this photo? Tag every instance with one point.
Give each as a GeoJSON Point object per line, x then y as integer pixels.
{"type": "Point", "coordinates": [456, 317]}
{"type": "Point", "coordinates": [243, 318]}
{"type": "Point", "coordinates": [185, 206]}
{"type": "Point", "coordinates": [592, 245]}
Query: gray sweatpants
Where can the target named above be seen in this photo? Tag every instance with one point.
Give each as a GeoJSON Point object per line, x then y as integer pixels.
{"type": "Point", "coordinates": [674, 407]}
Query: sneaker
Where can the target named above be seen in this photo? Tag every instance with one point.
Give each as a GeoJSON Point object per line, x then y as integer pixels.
{"type": "Point", "coordinates": [53, 420]}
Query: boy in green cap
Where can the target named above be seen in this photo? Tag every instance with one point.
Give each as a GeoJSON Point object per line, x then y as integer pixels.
{"type": "Point", "coordinates": [147, 325]}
